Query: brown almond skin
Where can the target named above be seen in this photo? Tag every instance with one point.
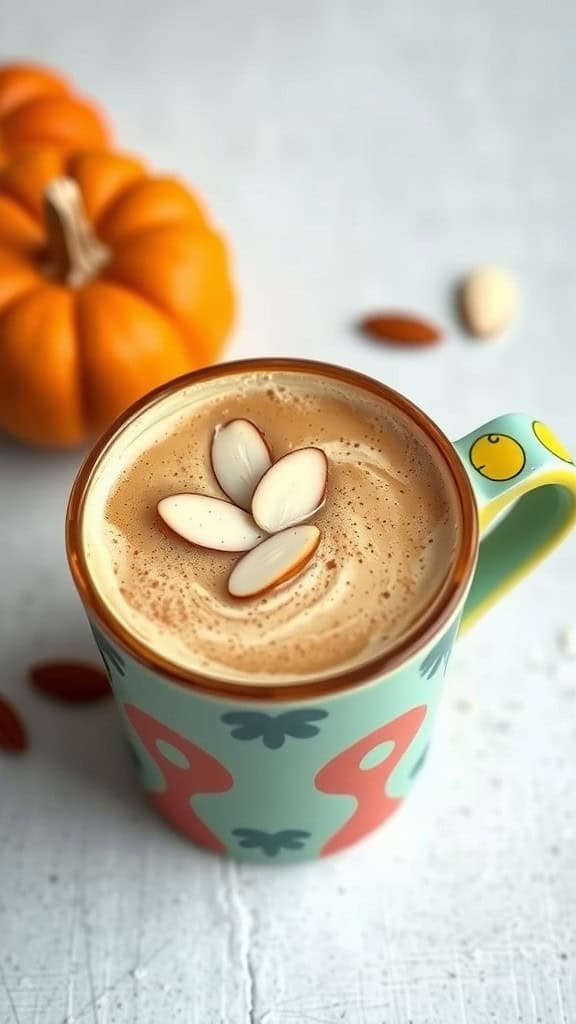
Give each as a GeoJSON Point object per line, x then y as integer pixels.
{"type": "Point", "coordinates": [401, 329]}
{"type": "Point", "coordinates": [70, 681]}
{"type": "Point", "coordinates": [322, 496]}
{"type": "Point", "coordinates": [13, 735]}
{"type": "Point", "coordinates": [294, 570]}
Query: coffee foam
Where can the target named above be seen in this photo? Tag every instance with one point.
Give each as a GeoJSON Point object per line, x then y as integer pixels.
{"type": "Point", "coordinates": [390, 532]}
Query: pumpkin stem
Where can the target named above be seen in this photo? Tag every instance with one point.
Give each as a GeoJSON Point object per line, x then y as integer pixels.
{"type": "Point", "coordinates": [75, 254]}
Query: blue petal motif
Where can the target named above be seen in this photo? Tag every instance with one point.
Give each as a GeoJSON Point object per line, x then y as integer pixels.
{"type": "Point", "coordinates": [297, 723]}
{"type": "Point", "coordinates": [250, 725]}
{"type": "Point", "coordinates": [271, 842]}
{"type": "Point", "coordinates": [440, 653]}
{"type": "Point", "coordinates": [273, 729]}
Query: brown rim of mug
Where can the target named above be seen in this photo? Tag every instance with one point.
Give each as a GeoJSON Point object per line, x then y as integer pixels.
{"type": "Point", "coordinates": [417, 638]}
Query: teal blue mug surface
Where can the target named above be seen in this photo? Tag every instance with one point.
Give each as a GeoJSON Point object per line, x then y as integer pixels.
{"type": "Point", "coordinates": [287, 773]}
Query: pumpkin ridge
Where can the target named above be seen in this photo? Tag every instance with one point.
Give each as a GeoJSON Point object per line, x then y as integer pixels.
{"type": "Point", "coordinates": [73, 170]}
{"type": "Point", "coordinates": [109, 330]}
{"type": "Point", "coordinates": [201, 344]}
{"type": "Point", "coordinates": [177, 322]}
{"type": "Point", "coordinates": [21, 202]}
{"type": "Point", "coordinates": [26, 294]}
{"type": "Point", "coordinates": [41, 81]}
{"type": "Point", "coordinates": [117, 199]}
{"type": "Point", "coordinates": [38, 105]}
{"type": "Point", "coordinates": [37, 335]}
{"type": "Point", "coordinates": [23, 108]}
{"type": "Point", "coordinates": [7, 189]}
{"type": "Point", "coordinates": [193, 217]}
{"type": "Point", "coordinates": [32, 235]}
{"type": "Point", "coordinates": [48, 134]}
{"type": "Point", "coordinates": [139, 234]}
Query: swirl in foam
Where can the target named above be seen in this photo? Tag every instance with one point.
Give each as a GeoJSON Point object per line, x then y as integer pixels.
{"type": "Point", "coordinates": [390, 532]}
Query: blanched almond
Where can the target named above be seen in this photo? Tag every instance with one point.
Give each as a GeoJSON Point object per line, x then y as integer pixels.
{"type": "Point", "coordinates": [488, 300]}
{"type": "Point", "coordinates": [209, 522]}
{"type": "Point", "coordinates": [292, 490]}
{"type": "Point", "coordinates": [274, 561]}
{"type": "Point", "coordinates": [240, 457]}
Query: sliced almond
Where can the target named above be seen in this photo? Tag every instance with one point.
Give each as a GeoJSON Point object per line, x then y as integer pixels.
{"type": "Point", "coordinates": [292, 490]}
{"type": "Point", "coordinates": [210, 522]}
{"type": "Point", "coordinates": [489, 300]}
{"type": "Point", "coordinates": [274, 561]}
{"type": "Point", "coordinates": [240, 457]}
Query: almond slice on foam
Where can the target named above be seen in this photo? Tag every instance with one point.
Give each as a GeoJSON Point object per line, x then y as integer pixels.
{"type": "Point", "coordinates": [210, 522]}
{"type": "Point", "coordinates": [292, 490]}
{"type": "Point", "coordinates": [240, 457]}
{"type": "Point", "coordinates": [275, 561]}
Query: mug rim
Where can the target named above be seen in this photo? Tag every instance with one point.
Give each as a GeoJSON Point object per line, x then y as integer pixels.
{"type": "Point", "coordinates": [415, 639]}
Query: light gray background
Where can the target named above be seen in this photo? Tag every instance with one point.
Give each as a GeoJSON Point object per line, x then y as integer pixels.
{"type": "Point", "coordinates": [360, 155]}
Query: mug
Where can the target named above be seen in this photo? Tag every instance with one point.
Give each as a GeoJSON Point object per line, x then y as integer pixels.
{"type": "Point", "coordinates": [288, 773]}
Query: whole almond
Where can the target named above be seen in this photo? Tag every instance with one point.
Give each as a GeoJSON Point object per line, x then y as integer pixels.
{"type": "Point", "coordinates": [488, 300]}
{"type": "Point", "coordinates": [70, 681]}
{"type": "Point", "coordinates": [13, 735]}
{"type": "Point", "coordinates": [402, 329]}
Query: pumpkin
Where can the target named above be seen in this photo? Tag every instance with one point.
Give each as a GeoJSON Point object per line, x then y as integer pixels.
{"type": "Point", "coordinates": [111, 282]}
{"type": "Point", "coordinates": [38, 107]}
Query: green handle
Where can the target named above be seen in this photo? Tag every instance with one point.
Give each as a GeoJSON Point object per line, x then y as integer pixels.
{"type": "Point", "coordinates": [515, 462]}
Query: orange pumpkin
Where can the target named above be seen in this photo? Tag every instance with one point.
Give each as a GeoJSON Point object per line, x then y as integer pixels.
{"type": "Point", "coordinates": [39, 107]}
{"type": "Point", "coordinates": [111, 282]}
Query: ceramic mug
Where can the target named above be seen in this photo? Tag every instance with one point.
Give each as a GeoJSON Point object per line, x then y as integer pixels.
{"type": "Point", "coordinates": [303, 770]}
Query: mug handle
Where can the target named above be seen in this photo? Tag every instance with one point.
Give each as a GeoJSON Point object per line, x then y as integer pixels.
{"type": "Point", "coordinates": [515, 461]}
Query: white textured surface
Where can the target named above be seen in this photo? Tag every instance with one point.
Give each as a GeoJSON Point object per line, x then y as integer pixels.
{"type": "Point", "coordinates": [361, 154]}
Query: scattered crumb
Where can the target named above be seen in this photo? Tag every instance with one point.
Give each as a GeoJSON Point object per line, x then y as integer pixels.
{"type": "Point", "coordinates": [499, 725]}
{"type": "Point", "coordinates": [513, 704]}
{"type": "Point", "coordinates": [536, 657]}
{"type": "Point", "coordinates": [464, 704]}
{"type": "Point", "coordinates": [563, 672]}
{"type": "Point", "coordinates": [567, 641]}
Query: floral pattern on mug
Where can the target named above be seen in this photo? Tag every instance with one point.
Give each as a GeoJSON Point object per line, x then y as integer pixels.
{"type": "Point", "coordinates": [271, 842]}
{"type": "Point", "coordinates": [440, 653]}
{"type": "Point", "coordinates": [273, 729]}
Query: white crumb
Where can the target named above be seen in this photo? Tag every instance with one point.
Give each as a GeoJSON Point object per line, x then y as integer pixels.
{"type": "Point", "coordinates": [536, 657]}
{"type": "Point", "coordinates": [567, 641]}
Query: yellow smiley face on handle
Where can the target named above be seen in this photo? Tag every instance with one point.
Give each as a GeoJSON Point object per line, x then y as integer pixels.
{"type": "Point", "coordinates": [497, 456]}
